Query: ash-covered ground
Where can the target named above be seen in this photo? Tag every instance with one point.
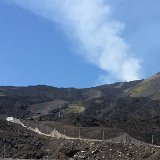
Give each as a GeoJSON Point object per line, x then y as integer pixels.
{"type": "Point", "coordinates": [19, 142]}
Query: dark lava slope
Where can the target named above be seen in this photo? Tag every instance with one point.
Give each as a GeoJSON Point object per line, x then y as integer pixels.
{"type": "Point", "coordinates": [138, 116]}
{"type": "Point", "coordinates": [118, 89]}
{"type": "Point", "coordinates": [131, 107]}
{"type": "Point", "coordinates": [146, 88]}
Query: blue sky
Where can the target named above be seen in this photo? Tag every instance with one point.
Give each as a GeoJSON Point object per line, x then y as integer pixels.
{"type": "Point", "coordinates": [41, 48]}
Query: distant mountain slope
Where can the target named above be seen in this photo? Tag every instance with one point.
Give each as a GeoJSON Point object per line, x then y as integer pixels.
{"type": "Point", "coordinates": [119, 89]}
{"type": "Point", "coordinates": [116, 89]}
{"type": "Point", "coordinates": [147, 88]}
{"type": "Point", "coordinates": [42, 90]}
{"type": "Point", "coordinates": [140, 88]}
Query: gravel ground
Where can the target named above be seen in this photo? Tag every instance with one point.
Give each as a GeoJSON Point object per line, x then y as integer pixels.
{"type": "Point", "coordinates": [24, 144]}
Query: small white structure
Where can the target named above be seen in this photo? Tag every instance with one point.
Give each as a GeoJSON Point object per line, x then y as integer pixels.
{"type": "Point", "coordinates": [14, 120]}
{"type": "Point", "coordinates": [10, 119]}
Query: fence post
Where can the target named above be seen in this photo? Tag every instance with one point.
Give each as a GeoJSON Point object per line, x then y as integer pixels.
{"type": "Point", "coordinates": [152, 139]}
{"type": "Point", "coordinates": [64, 132]}
{"type": "Point", "coordinates": [103, 136]}
{"type": "Point", "coordinates": [4, 151]}
{"type": "Point", "coordinates": [79, 133]}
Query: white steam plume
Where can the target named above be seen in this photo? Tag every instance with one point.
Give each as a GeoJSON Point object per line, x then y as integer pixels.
{"type": "Point", "coordinates": [91, 24]}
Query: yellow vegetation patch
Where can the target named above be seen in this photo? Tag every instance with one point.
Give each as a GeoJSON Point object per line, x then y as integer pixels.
{"type": "Point", "coordinates": [137, 91]}
{"type": "Point", "coordinates": [146, 86]}
{"type": "Point", "coordinates": [74, 109]}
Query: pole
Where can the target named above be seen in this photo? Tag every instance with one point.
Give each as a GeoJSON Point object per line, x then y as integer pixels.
{"type": "Point", "coordinates": [64, 132]}
{"type": "Point", "coordinates": [103, 136]}
{"type": "Point", "coordinates": [59, 112]}
{"type": "Point", "coordinates": [79, 133]}
{"type": "Point", "coordinates": [152, 139]}
{"type": "Point", "coordinates": [126, 138]}
{"type": "Point", "coordinates": [4, 156]}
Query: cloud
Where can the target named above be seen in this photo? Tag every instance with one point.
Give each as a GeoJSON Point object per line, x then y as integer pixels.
{"type": "Point", "coordinates": [91, 25]}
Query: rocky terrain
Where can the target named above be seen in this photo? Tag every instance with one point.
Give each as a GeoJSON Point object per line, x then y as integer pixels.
{"type": "Point", "coordinates": [108, 110]}
{"type": "Point", "coordinates": [18, 142]}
